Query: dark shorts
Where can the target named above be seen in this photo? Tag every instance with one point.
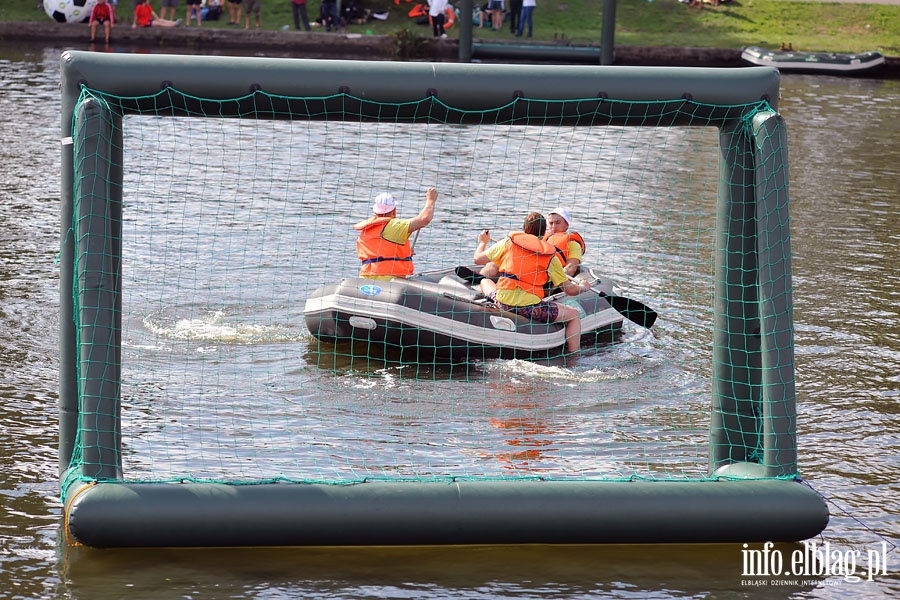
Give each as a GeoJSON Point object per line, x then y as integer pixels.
{"type": "Point", "coordinates": [543, 312]}
{"type": "Point", "coordinates": [193, 2]}
{"type": "Point", "coordinates": [101, 21]}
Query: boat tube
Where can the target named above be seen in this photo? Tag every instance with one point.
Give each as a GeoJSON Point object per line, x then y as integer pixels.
{"type": "Point", "coordinates": [439, 316]}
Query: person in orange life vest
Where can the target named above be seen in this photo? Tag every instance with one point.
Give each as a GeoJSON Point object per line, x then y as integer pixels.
{"type": "Point", "coordinates": [569, 243]}
{"type": "Point", "coordinates": [525, 263]}
{"type": "Point", "coordinates": [102, 14]}
{"type": "Point", "coordinates": [383, 243]}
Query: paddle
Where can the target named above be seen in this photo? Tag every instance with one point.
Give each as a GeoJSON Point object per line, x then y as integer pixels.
{"type": "Point", "coordinates": [631, 309]}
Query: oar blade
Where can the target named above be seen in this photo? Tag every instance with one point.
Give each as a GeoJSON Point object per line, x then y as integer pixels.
{"type": "Point", "coordinates": [633, 310]}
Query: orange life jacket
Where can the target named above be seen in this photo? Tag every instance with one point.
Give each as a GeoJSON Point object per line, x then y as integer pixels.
{"type": "Point", "coordinates": [419, 10]}
{"type": "Point", "coordinates": [380, 256]}
{"type": "Point", "coordinates": [561, 241]}
{"type": "Point", "coordinates": [524, 264]}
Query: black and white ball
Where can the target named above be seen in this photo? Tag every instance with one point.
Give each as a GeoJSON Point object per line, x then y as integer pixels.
{"type": "Point", "coordinates": [69, 11]}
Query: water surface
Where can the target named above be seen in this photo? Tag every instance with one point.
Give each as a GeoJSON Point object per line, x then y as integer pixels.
{"type": "Point", "coordinates": [844, 184]}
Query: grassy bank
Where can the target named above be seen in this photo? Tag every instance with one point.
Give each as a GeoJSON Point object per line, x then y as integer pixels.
{"type": "Point", "coordinates": [813, 26]}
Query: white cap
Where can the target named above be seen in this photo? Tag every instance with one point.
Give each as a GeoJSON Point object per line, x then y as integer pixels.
{"type": "Point", "coordinates": [384, 203]}
{"type": "Point", "coordinates": [564, 213]}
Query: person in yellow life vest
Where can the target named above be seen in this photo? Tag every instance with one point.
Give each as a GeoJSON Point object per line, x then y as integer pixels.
{"type": "Point", "coordinates": [383, 243]}
{"type": "Point", "coordinates": [525, 263]}
{"type": "Point", "coordinates": [569, 243]}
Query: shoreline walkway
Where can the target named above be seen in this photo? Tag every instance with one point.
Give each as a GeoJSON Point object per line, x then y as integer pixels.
{"type": "Point", "coordinates": [350, 46]}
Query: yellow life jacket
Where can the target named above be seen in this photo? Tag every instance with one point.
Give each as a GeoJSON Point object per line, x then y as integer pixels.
{"type": "Point", "coordinates": [524, 264]}
{"type": "Point", "coordinates": [381, 256]}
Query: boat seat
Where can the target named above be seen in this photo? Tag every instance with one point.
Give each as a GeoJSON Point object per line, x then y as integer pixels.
{"type": "Point", "coordinates": [459, 288]}
{"type": "Point", "coordinates": [452, 282]}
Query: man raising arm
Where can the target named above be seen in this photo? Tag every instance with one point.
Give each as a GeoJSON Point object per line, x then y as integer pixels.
{"type": "Point", "coordinates": [383, 244]}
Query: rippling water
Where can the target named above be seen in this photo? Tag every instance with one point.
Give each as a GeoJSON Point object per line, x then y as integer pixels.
{"type": "Point", "coordinates": [254, 221]}
{"type": "Point", "coordinates": [846, 222]}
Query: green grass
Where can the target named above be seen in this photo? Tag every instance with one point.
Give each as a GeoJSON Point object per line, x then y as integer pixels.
{"type": "Point", "coordinates": [811, 26]}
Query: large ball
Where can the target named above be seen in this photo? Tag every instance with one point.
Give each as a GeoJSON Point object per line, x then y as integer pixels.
{"type": "Point", "coordinates": [69, 11]}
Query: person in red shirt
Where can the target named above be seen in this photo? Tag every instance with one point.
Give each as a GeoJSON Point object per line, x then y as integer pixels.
{"type": "Point", "coordinates": [145, 16]}
{"type": "Point", "coordinates": [102, 14]}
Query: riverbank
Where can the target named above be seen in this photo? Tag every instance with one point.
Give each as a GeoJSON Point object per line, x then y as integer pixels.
{"type": "Point", "coordinates": [293, 44]}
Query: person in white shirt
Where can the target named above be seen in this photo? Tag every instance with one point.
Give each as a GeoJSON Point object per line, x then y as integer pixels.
{"type": "Point", "coordinates": [436, 9]}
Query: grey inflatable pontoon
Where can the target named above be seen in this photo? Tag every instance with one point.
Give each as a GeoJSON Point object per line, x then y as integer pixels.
{"type": "Point", "coordinates": [439, 316]}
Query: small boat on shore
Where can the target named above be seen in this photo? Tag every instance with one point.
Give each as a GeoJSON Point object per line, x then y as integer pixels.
{"type": "Point", "coordinates": [441, 316]}
{"type": "Point", "coordinates": [813, 62]}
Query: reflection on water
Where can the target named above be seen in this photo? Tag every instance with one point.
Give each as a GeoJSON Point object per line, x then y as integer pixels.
{"type": "Point", "coordinates": [362, 358]}
{"type": "Point", "coordinates": [844, 196]}
{"type": "Point", "coordinates": [844, 179]}
{"type": "Point", "coordinates": [476, 572]}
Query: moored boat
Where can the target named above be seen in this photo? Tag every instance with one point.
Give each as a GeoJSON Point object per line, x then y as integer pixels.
{"type": "Point", "coordinates": [440, 316]}
{"type": "Point", "coordinates": [813, 62]}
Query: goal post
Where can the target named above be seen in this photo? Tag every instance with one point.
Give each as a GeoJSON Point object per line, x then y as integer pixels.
{"type": "Point", "coordinates": [752, 446]}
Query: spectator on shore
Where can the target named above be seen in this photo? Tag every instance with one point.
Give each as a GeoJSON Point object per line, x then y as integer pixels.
{"type": "Point", "coordinates": [483, 13]}
{"type": "Point", "coordinates": [214, 11]}
{"type": "Point", "coordinates": [436, 10]}
{"type": "Point", "coordinates": [329, 14]}
{"type": "Point", "coordinates": [234, 12]}
{"type": "Point", "coordinates": [102, 14]}
{"type": "Point", "coordinates": [515, 13]}
{"type": "Point", "coordinates": [299, 8]}
{"type": "Point", "coordinates": [526, 17]}
{"type": "Point", "coordinates": [145, 16]}
{"type": "Point", "coordinates": [495, 7]}
{"type": "Point", "coordinates": [194, 11]}
{"type": "Point", "coordinates": [168, 8]}
{"type": "Point", "coordinates": [251, 7]}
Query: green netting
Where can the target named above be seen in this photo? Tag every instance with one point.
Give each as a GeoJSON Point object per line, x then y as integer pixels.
{"type": "Point", "coordinates": [226, 228]}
